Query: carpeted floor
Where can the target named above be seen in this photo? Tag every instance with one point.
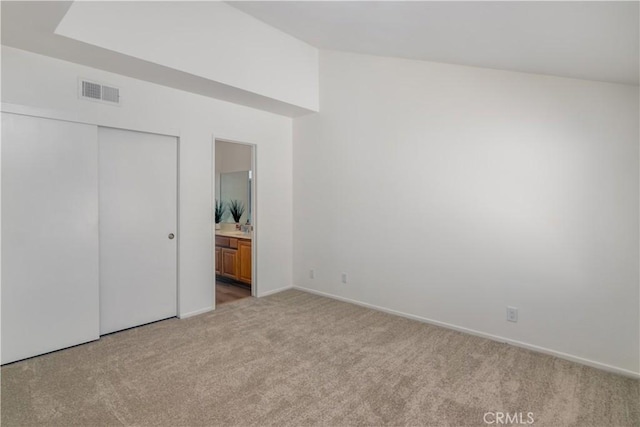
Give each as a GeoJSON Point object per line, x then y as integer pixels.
{"type": "Point", "coordinates": [298, 359]}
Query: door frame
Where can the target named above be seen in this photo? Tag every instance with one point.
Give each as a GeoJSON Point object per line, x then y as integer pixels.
{"type": "Point", "coordinates": [254, 217]}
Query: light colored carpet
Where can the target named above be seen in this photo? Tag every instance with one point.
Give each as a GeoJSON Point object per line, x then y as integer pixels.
{"type": "Point", "coordinates": [298, 359]}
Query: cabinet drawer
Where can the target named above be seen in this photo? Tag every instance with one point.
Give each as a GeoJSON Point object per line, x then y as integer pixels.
{"type": "Point", "coordinates": [226, 242]}
{"type": "Point", "coordinates": [222, 241]}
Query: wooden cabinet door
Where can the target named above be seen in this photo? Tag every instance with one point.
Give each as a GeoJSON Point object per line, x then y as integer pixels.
{"type": "Point", "coordinates": [229, 263]}
{"type": "Point", "coordinates": [218, 260]}
{"type": "Point", "coordinates": [244, 264]}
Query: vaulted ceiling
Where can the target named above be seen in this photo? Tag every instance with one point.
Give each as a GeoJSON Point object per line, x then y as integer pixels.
{"type": "Point", "coordinates": [588, 40]}
{"type": "Point", "coordinates": [580, 39]}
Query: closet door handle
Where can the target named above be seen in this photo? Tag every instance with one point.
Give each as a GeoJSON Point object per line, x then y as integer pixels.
{"type": "Point", "coordinates": [171, 236]}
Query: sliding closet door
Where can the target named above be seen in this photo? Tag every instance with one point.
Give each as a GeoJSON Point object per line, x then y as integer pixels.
{"type": "Point", "coordinates": [138, 222]}
{"type": "Point", "coordinates": [49, 235]}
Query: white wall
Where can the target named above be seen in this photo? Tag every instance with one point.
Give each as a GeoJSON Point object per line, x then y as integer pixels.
{"type": "Point", "coordinates": [51, 85]}
{"type": "Point", "coordinates": [232, 47]}
{"type": "Point", "coordinates": [449, 192]}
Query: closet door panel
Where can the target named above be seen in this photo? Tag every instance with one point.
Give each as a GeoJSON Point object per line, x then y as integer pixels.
{"type": "Point", "coordinates": [49, 235]}
{"type": "Point", "coordinates": [138, 228]}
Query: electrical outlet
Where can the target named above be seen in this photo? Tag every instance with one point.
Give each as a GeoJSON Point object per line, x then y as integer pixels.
{"type": "Point", "coordinates": [344, 277]}
{"type": "Point", "coordinates": [312, 274]}
{"type": "Point", "coordinates": [512, 314]}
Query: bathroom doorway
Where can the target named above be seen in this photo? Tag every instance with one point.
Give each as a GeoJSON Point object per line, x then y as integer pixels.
{"type": "Point", "coordinates": [234, 221]}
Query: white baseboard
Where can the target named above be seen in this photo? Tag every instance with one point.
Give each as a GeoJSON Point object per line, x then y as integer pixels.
{"type": "Point", "coordinates": [572, 358]}
{"type": "Point", "coordinates": [274, 291]}
{"type": "Point", "coordinates": [195, 313]}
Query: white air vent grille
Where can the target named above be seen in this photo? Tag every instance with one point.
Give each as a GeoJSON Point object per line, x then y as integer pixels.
{"type": "Point", "coordinates": [91, 90]}
{"type": "Point", "coordinates": [110, 94]}
{"type": "Point", "coordinates": [98, 92]}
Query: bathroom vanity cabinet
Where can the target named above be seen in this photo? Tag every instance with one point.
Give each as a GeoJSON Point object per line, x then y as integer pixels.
{"type": "Point", "coordinates": [233, 258]}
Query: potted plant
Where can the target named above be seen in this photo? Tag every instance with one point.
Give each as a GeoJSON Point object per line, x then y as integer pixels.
{"type": "Point", "coordinates": [236, 209]}
{"type": "Point", "coordinates": [219, 212]}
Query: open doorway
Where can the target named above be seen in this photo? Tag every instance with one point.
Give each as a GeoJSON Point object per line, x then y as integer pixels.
{"type": "Point", "coordinates": [234, 213]}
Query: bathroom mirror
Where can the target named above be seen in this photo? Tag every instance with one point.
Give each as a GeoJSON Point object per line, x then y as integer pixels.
{"type": "Point", "coordinates": [235, 186]}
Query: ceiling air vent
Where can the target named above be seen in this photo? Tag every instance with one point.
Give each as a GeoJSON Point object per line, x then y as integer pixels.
{"type": "Point", "coordinates": [97, 92]}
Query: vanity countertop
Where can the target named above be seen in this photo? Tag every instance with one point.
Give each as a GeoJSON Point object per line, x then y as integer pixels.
{"type": "Point", "coordinates": [236, 234]}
